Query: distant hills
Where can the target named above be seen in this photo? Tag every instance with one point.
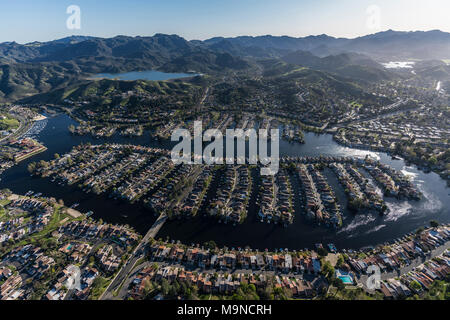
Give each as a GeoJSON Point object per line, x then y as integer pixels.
{"type": "Point", "coordinates": [155, 51]}
{"type": "Point", "coordinates": [388, 45]}
{"type": "Point", "coordinates": [38, 67]}
{"type": "Point", "coordinates": [160, 48]}
{"type": "Point", "coordinates": [105, 91]}
{"type": "Point", "coordinates": [352, 65]}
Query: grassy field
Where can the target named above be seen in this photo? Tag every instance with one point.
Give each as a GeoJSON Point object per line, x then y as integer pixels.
{"type": "Point", "coordinates": [356, 105]}
{"type": "Point", "coordinates": [98, 287]}
{"type": "Point", "coordinates": [8, 123]}
{"type": "Point", "coordinates": [44, 235]}
{"type": "Point", "coordinates": [4, 202]}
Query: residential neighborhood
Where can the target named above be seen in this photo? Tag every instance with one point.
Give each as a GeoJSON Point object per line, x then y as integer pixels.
{"type": "Point", "coordinates": [43, 248]}
{"type": "Point", "coordinates": [408, 268]}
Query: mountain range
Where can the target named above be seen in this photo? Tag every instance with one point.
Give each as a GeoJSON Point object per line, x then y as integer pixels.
{"type": "Point", "coordinates": [388, 45]}
{"type": "Point", "coordinates": [32, 68]}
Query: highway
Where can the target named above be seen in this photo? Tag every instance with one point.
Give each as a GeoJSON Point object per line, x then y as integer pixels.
{"type": "Point", "coordinates": [137, 254]}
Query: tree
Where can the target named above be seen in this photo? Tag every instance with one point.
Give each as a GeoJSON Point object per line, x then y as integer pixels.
{"type": "Point", "coordinates": [338, 284]}
{"type": "Point", "coordinates": [165, 287]}
{"type": "Point", "coordinates": [432, 160]}
{"type": "Point", "coordinates": [211, 245]}
{"type": "Point", "coordinates": [322, 252]}
{"type": "Point", "coordinates": [415, 285]}
{"type": "Point", "coordinates": [328, 270]}
{"type": "Point", "coordinates": [434, 224]}
{"type": "Point", "coordinates": [420, 230]}
{"type": "Point", "coordinates": [31, 167]}
{"type": "Point", "coordinates": [340, 262]}
{"type": "Point", "coordinates": [356, 203]}
{"type": "Point", "coordinates": [43, 164]}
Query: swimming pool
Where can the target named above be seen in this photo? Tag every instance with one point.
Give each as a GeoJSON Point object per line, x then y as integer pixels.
{"type": "Point", "coordinates": [346, 279]}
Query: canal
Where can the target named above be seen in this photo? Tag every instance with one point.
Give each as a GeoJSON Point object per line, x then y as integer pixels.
{"type": "Point", "coordinates": [358, 231]}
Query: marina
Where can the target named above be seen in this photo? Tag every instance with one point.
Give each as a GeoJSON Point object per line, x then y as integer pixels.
{"type": "Point", "coordinates": [368, 228]}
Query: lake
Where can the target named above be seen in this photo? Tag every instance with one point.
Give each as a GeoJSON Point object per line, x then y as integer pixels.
{"type": "Point", "coordinates": [358, 231]}
{"type": "Point", "coordinates": [143, 75]}
{"type": "Point", "coordinates": [399, 65]}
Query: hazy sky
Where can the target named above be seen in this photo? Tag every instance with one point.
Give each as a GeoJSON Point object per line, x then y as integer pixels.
{"type": "Point", "coordinates": [42, 20]}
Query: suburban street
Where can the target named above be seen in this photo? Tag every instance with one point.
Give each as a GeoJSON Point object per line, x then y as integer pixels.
{"type": "Point", "coordinates": [414, 264]}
